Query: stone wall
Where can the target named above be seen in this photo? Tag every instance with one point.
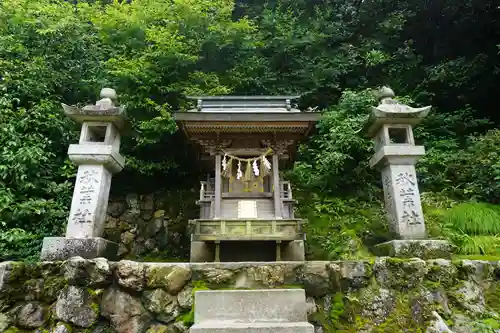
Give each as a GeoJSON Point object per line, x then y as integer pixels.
{"type": "Point", "coordinates": [151, 226]}
{"type": "Point", "coordinates": [384, 295]}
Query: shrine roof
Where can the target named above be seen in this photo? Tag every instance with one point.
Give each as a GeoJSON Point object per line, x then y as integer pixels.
{"type": "Point", "coordinates": [260, 104]}
{"type": "Point", "coordinates": [247, 114]}
{"type": "Point", "coordinates": [255, 119]}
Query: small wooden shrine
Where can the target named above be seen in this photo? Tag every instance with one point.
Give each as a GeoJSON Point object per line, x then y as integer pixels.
{"type": "Point", "coordinates": [246, 207]}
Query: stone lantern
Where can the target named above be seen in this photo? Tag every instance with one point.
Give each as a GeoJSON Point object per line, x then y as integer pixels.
{"type": "Point", "coordinates": [98, 157]}
{"type": "Point", "coordinates": [391, 126]}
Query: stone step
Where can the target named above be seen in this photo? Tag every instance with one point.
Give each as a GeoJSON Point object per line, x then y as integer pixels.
{"type": "Point", "coordinates": [250, 306]}
{"type": "Point", "coordinates": [230, 327]}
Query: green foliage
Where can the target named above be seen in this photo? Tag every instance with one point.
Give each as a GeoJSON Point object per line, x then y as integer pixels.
{"type": "Point", "coordinates": [335, 159]}
{"type": "Point", "coordinates": [17, 244]}
{"type": "Point", "coordinates": [465, 173]}
{"type": "Point", "coordinates": [151, 52]}
{"type": "Point", "coordinates": [341, 229]}
{"type": "Point", "coordinates": [474, 228]}
{"type": "Point", "coordinates": [486, 245]}
{"type": "Point", "coordinates": [332, 52]}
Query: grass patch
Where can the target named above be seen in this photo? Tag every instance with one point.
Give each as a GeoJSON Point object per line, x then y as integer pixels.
{"type": "Point", "coordinates": [477, 257]}
{"type": "Point", "coordinates": [475, 218]}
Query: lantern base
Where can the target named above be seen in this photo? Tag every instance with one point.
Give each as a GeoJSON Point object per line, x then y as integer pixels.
{"type": "Point", "coordinates": [61, 248]}
{"type": "Point", "coordinates": [423, 248]}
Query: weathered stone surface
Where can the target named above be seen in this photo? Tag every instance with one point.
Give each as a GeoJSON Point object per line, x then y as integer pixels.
{"type": "Point", "coordinates": [173, 278]}
{"type": "Point", "coordinates": [439, 297]}
{"type": "Point", "coordinates": [61, 328]}
{"type": "Point", "coordinates": [147, 205]}
{"type": "Point", "coordinates": [263, 276]}
{"type": "Point", "coordinates": [132, 201]}
{"type": "Point", "coordinates": [476, 270]}
{"type": "Point", "coordinates": [150, 244]}
{"type": "Point", "coordinates": [268, 276]}
{"type": "Point", "coordinates": [399, 274]}
{"type": "Point", "coordinates": [125, 312]}
{"type": "Point", "coordinates": [441, 271]}
{"type": "Point", "coordinates": [185, 298]}
{"type": "Point", "coordinates": [216, 276]}
{"type": "Point", "coordinates": [159, 329]}
{"type": "Point", "coordinates": [350, 274]}
{"type": "Point", "coordinates": [315, 278]}
{"type": "Point", "coordinates": [61, 248]}
{"type": "Point", "coordinates": [162, 304]}
{"type": "Point", "coordinates": [424, 249]}
{"type": "Point", "coordinates": [387, 292]}
{"type": "Point", "coordinates": [33, 289]}
{"type": "Point", "coordinates": [75, 305]}
{"type": "Point", "coordinates": [9, 272]}
{"type": "Point", "coordinates": [437, 325]}
{"type": "Point", "coordinates": [377, 305]}
{"type": "Point", "coordinates": [463, 324]}
{"type": "Point", "coordinates": [127, 238]}
{"type": "Point", "coordinates": [92, 273]}
{"type": "Point", "coordinates": [102, 327]}
{"type": "Point", "coordinates": [116, 208]}
{"type": "Point", "coordinates": [311, 306]}
{"type": "Point", "coordinates": [131, 275]}
{"type": "Point", "coordinates": [469, 296]}
{"type": "Point", "coordinates": [32, 315]}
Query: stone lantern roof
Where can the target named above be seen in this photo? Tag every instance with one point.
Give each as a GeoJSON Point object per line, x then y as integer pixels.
{"type": "Point", "coordinates": [104, 110]}
{"type": "Point", "coordinates": [390, 111]}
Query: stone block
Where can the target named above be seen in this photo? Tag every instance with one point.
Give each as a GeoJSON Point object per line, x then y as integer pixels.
{"type": "Point", "coordinates": [61, 248]}
{"type": "Point", "coordinates": [230, 327]}
{"type": "Point", "coordinates": [424, 249]}
{"type": "Point", "coordinates": [294, 251]}
{"type": "Point", "coordinates": [266, 305]}
{"type": "Point", "coordinates": [201, 252]}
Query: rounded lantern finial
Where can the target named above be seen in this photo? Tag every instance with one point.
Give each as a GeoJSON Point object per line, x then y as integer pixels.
{"type": "Point", "coordinates": [385, 92]}
{"type": "Point", "coordinates": [108, 93]}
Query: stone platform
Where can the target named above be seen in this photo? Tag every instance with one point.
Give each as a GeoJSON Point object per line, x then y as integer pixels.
{"type": "Point", "coordinates": [266, 310]}
{"type": "Point", "coordinates": [395, 293]}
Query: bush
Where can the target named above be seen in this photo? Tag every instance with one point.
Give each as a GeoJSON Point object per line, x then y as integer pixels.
{"type": "Point", "coordinates": [342, 228]}
{"type": "Point", "coordinates": [17, 244]}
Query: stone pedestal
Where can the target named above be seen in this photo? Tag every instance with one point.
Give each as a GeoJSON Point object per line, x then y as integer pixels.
{"type": "Point", "coordinates": [294, 251]}
{"type": "Point", "coordinates": [421, 248]}
{"type": "Point", "coordinates": [201, 252]}
{"type": "Point", "coordinates": [61, 248]}
{"type": "Point", "coordinates": [98, 158]}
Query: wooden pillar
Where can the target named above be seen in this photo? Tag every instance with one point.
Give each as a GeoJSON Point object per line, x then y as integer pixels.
{"type": "Point", "coordinates": [278, 250]}
{"type": "Point", "coordinates": [218, 191]}
{"type": "Point", "coordinates": [217, 251]}
{"type": "Point", "coordinates": [276, 186]}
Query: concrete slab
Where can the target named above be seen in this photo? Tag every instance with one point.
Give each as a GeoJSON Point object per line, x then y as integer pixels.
{"type": "Point", "coordinates": [229, 327]}
{"type": "Point", "coordinates": [251, 306]}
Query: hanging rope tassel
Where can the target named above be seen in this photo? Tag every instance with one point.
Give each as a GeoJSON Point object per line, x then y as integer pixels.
{"type": "Point", "coordinates": [255, 168]}
{"type": "Point", "coordinates": [239, 174]}
{"type": "Point", "coordinates": [229, 167]}
{"type": "Point", "coordinates": [224, 163]}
